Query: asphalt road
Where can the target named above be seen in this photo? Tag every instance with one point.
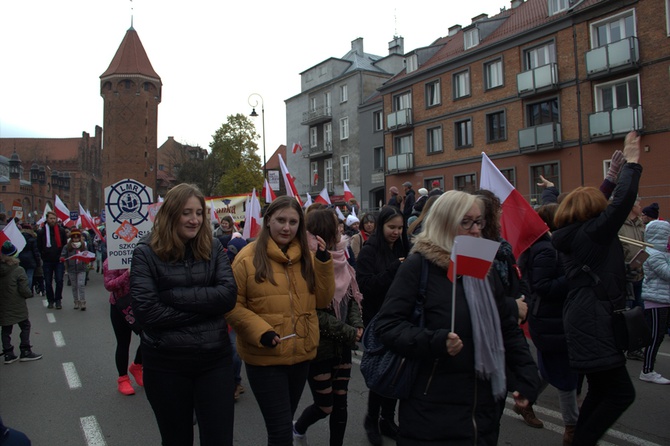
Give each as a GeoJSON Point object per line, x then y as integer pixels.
{"type": "Point", "coordinates": [69, 397]}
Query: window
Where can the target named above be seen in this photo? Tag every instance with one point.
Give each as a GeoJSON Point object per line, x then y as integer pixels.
{"type": "Point", "coordinates": [540, 55]}
{"type": "Point", "coordinates": [471, 38]}
{"type": "Point", "coordinates": [328, 135]}
{"type": "Point", "coordinates": [326, 101]}
{"type": "Point", "coordinates": [496, 127]}
{"type": "Point", "coordinates": [463, 133]}
{"type": "Point", "coordinates": [323, 70]}
{"type": "Point", "coordinates": [466, 183]}
{"type": "Point", "coordinates": [461, 84]}
{"type": "Point", "coordinates": [510, 174]}
{"type": "Point", "coordinates": [161, 167]}
{"type": "Point", "coordinates": [310, 76]}
{"type": "Point", "coordinates": [344, 128]}
{"type": "Point", "coordinates": [312, 104]}
{"type": "Point", "coordinates": [344, 168]}
{"type": "Point", "coordinates": [378, 158]}
{"type": "Point", "coordinates": [378, 121]}
{"type": "Point", "coordinates": [314, 166]}
{"type": "Point", "coordinates": [556, 6]}
{"type": "Point", "coordinates": [550, 171]}
{"type": "Point", "coordinates": [543, 112]}
{"type": "Point", "coordinates": [412, 63]}
{"type": "Point", "coordinates": [613, 29]}
{"type": "Point", "coordinates": [402, 144]}
{"type": "Point", "coordinates": [329, 173]}
{"type": "Point", "coordinates": [433, 93]}
{"type": "Point", "coordinates": [344, 93]}
{"type": "Point", "coordinates": [313, 139]}
{"type": "Point", "coordinates": [402, 101]}
{"type": "Point", "coordinates": [434, 140]}
{"type": "Point", "coordinates": [493, 73]}
{"type": "Point", "coordinates": [622, 93]}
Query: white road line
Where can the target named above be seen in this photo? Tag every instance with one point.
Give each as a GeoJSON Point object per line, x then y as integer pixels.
{"type": "Point", "coordinates": [92, 431]}
{"type": "Point", "coordinates": [45, 302]}
{"type": "Point", "coordinates": [71, 375]}
{"type": "Point", "coordinates": [59, 339]}
{"type": "Point", "coordinates": [51, 318]}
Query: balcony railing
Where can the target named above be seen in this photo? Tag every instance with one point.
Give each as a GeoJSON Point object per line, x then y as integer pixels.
{"type": "Point", "coordinates": [608, 124]}
{"type": "Point", "coordinates": [616, 56]}
{"type": "Point", "coordinates": [537, 80]}
{"type": "Point", "coordinates": [318, 115]}
{"type": "Point", "coordinates": [401, 162]}
{"type": "Point", "coordinates": [321, 149]}
{"type": "Point", "coordinates": [399, 119]}
{"type": "Point", "coordinates": [540, 136]}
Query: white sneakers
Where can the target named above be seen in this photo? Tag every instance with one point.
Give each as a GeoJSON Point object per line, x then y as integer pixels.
{"type": "Point", "coordinates": [653, 377]}
{"type": "Point", "coordinates": [301, 440]}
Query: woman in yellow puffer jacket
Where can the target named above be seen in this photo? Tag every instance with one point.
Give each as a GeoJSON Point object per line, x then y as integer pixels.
{"type": "Point", "coordinates": [280, 286]}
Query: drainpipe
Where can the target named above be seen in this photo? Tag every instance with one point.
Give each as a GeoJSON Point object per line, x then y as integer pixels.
{"type": "Point", "coordinates": [579, 105]}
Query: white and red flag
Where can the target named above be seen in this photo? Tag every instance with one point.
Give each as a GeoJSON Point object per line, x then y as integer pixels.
{"type": "Point", "coordinates": [297, 147]}
{"type": "Point", "coordinates": [43, 220]}
{"type": "Point", "coordinates": [12, 233]}
{"type": "Point", "coordinates": [520, 224]}
{"type": "Point", "coordinates": [291, 190]}
{"type": "Point", "coordinates": [308, 201]}
{"type": "Point", "coordinates": [339, 213]}
{"type": "Point", "coordinates": [267, 192]}
{"type": "Point", "coordinates": [252, 217]}
{"type": "Point", "coordinates": [87, 222]}
{"type": "Point", "coordinates": [323, 197]}
{"type": "Point", "coordinates": [63, 212]}
{"type": "Point", "coordinates": [213, 216]}
{"type": "Point", "coordinates": [83, 256]}
{"type": "Point", "coordinates": [347, 192]}
{"type": "Point", "coordinates": [472, 256]}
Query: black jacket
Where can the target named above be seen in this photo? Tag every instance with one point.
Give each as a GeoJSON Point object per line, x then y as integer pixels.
{"type": "Point", "coordinates": [409, 204]}
{"type": "Point", "coordinates": [30, 255]}
{"type": "Point", "coordinates": [52, 253]}
{"type": "Point", "coordinates": [595, 243]}
{"type": "Point", "coordinates": [449, 404]}
{"type": "Point", "coordinates": [180, 305]}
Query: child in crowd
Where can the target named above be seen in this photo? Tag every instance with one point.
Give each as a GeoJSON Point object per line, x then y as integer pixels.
{"type": "Point", "coordinates": [76, 269]}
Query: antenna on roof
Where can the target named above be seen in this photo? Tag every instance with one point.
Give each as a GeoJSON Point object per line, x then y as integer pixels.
{"type": "Point", "coordinates": [131, 13]}
{"type": "Point", "coordinates": [395, 22]}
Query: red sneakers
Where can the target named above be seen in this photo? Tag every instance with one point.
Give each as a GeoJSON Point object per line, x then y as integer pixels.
{"type": "Point", "coordinates": [136, 371]}
{"type": "Point", "coordinates": [124, 385]}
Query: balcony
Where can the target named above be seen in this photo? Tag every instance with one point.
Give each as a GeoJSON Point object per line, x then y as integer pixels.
{"type": "Point", "coordinates": [613, 58]}
{"type": "Point", "coordinates": [400, 163]}
{"type": "Point", "coordinates": [322, 149]}
{"type": "Point", "coordinates": [537, 80]}
{"type": "Point", "coordinates": [613, 123]}
{"type": "Point", "coordinates": [540, 137]}
{"type": "Point", "coordinates": [317, 115]}
{"type": "Point", "coordinates": [399, 119]}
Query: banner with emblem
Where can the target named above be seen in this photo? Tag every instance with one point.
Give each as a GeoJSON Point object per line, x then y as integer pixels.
{"type": "Point", "coordinates": [232, 205]}
{"type": "Point", "coordinates": [128, 217]}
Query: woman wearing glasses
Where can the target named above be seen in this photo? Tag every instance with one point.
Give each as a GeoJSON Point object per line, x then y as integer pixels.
{"type": "Point", "coordinates": [460, 391]}
{"type": "Point", "coordinates": [280, 285]}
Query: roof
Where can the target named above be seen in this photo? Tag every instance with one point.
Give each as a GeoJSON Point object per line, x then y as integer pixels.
{"type": "Point", "coordinates": [53, 148]}
{"type": "Point", "coordinates": [361, 62]}
{"type": "Point", "coordinates": [131, 58]}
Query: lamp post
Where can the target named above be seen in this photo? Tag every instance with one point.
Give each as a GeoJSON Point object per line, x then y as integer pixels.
{"type": "Point", "coordinates": [254, 115]}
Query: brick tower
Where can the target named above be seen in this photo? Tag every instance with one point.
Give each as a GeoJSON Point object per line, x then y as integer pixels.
{"type": "Point", "coordinates": [131, 91]}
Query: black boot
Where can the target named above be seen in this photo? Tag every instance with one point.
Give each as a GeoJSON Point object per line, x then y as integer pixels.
{"type": "Point", "coordinates": [388, 428]}
{"type": "Point", "coordinates": [371, 427]}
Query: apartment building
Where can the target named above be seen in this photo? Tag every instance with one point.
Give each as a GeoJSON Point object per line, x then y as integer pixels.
{"type": "Point", "coordinates": [546, 87]}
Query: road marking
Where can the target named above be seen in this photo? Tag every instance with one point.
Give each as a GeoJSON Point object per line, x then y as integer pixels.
{"type": "Point", "coordinates": [59, 339]}
{"type": "Point", "coordinates": [92, 431]}
{"type": "Point", "coordinates": [71, 375]}
{"type": "Point", "coordinates": [45, 302]}
{"type": "Point", "coordinates": [51, 318]}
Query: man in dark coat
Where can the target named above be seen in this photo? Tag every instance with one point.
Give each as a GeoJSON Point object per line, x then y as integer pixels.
{"type": "Point", "coordinates": [50, 242]}
{"type": "Point", "coordinates": [409, 200]}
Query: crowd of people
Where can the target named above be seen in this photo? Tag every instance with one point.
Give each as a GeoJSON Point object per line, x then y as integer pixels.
{"type": "Point", "coordinates": [292, 303]}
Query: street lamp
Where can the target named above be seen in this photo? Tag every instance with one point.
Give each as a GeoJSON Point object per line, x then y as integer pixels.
{"type": "Point", "coordinates": [254, 115]}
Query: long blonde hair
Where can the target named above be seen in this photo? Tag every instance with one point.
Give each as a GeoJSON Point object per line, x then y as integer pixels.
{"type": "Point", "coordinates": [164, 238]}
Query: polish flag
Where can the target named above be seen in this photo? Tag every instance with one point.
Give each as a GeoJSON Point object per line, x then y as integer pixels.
{"type": "Point", "coordinates": [87, 222]}
{"type": "Point", "coordinates": [43, 220]}
{"type": "Point", "coordinates": [267, 192]}
{"type": "Point", "coordinates": [339, 213]}
{"type": "Point", "coordinates": [63, 212]}
{"type": "Point", "coordinates": [308, 201]}
{"type": "Point", "coordinates": [472, 256]}
{"type": "Point", "coordinates": [291, 190]}
{"type": "Point", "coordinates": [520, 224]}
{"type": "Point", "coordinates": [323, 197]}
{"type": "Point", "coordinates": [12, 233]}
{"type": "Point", "coordinates": [252, 217]}
{"type": "Point", "coordinates": [347, 193]}
{"type": "Point", "coordinates": [213, 216]}
{"type": "Point", "coordinates": [316, 179]}
{"type": "Point", "coordinates": [83, 256]}
{"type": "Point", "coordinates": [296, 147]}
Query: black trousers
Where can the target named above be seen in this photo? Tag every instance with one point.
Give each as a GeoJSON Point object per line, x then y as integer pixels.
{"type": "Point", "coordinates": [201, 385]}
{"type": "Point", "coordinates": [7, 346]}
{"type": "Point", "coordinates": [609, 395]}
{"type": "Point", "coordinates": [123, 334]}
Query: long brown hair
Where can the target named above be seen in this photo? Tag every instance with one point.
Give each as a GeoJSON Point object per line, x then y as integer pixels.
{"type": "Point", "coordinates": [422, 216]}
{"type": "Point", "coordinates": [580, 205]}
{"type": "Point", "coordinates": [323, 222]}
{"type": "Point", "coordinates": [164, 238]}
{"type": "Point", "coordinates": [261, 260]}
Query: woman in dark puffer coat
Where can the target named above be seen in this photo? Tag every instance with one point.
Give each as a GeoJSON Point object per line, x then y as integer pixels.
{"type": "Point", "coordinates": [587, 239]}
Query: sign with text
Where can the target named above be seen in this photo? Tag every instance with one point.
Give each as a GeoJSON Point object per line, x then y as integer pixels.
{"type": "Point", "coordinates": [127, 212]}
{"type": "Point", "coordinates": [273, 179]}
{"type": "Point", "coordinates": [229, 205]}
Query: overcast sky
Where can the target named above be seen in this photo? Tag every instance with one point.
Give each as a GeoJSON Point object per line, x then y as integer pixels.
{"type": "Point", "coordinates": [210, 54]}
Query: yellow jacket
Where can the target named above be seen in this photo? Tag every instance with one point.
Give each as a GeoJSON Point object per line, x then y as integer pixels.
{"type": "Point", "coordinates": [286, 308]}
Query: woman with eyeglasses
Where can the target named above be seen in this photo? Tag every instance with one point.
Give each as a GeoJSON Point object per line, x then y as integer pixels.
{"type": "Point", "coordinates": [376, 266]}
{"type": "Point", "coordinates": [280, 286]}
{"type": "Point", "coordinates": [459, 393]}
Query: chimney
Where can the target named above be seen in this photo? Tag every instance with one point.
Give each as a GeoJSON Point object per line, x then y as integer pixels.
{"type": "Point", "coordinates": [454, 30]}
{"type": "Point", "coordinates": [516, 3]}
{"type": "Point", "coordinates": [397, 45]}
{"type": "Point", "coordinates": [357, 46]}
{"type": "Point", "coordinates": [480, 17]}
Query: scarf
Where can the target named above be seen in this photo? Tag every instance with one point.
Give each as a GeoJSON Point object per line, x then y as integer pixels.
{"type": "Point", "coordinates": [47, 229]}
{"type": "Point", "coordinates": [346, 286]}
{"type": "Point", "coordinates": [487, 335]}
{"type": "Point", "coordinates": [500, 261]}
{"type": "Point", "coordinates": [57, 236]}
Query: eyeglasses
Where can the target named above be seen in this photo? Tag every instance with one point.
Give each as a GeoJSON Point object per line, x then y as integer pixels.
{"type": "Point", "coordinates": [467, 224]}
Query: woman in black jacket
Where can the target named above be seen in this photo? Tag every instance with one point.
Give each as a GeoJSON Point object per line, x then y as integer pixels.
{"type": "Point", "coordinates": [593, 259]}
{"type": "Point", "coordinates": [182, 285]}
{"type": "Point", "coordinates": [461, 386]}
{"type": "Point", "coordinates": [30, 255]}
{"type": "Point", "coordinates": [376, 266]}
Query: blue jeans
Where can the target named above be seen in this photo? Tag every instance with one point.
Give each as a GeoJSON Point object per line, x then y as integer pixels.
{"type": "Point", "coordinates": [30, 272]}
{"type": "Point", "coordinates": [53, 270]}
